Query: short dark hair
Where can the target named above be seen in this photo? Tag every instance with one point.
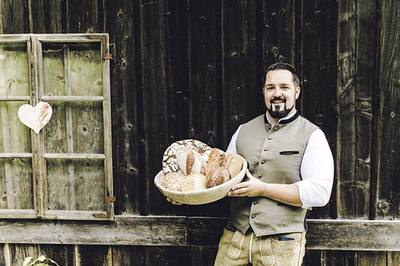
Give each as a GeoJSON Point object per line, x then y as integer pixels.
{"type": "Point", "coordinates": [286, 66]}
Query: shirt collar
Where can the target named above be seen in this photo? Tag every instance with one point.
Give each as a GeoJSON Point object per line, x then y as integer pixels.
{"type": "Point", "coordinates": [285, 120]}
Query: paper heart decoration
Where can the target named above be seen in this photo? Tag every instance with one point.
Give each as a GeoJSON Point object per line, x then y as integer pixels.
{"type": "Point", "coordinates": [35, 117]}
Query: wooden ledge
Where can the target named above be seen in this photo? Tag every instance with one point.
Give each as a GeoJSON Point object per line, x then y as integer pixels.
{"type": "Point", "coordinates": [354, 235]}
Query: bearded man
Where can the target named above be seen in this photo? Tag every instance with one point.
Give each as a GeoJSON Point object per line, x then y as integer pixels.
{"type": "Point", "coordinates": [290, 170]}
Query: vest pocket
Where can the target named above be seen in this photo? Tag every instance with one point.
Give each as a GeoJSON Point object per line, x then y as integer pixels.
{"type": "Point", "coordinates": [288, 152]}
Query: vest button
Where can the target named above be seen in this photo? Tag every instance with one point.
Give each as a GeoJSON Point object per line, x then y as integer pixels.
{"type": "Point", "coordinates": [262, 162]}
{"type": "Point", "coordinates": [253, 216]}
{"type": "Point", "coordinates": [255, 202]}
{"type": "Point", "coordinates": [260, 175]}
{"type": "Point", "coordinates": [269, 138]}
{"type": "Point", "coordinates": [265, 149]}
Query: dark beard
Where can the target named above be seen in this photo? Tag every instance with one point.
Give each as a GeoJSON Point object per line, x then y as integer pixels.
{"type": "Point", "coordinates": [279, 113]}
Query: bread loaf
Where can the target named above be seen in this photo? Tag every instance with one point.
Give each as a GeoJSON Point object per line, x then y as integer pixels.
{"type": "Point", "coordinates": [214, 160]}
{"type": "Point", "coordinates": [217, 176]}
{"type": "Point", "coordinates": [233, 163]}
{"type": "Point", "coordinates": [173, 181]}
{"type": "Point", "coordinates": [170, 164]}
{"type": "Point", "coordinates": [194, 182]}
{"type": "Point", "coordinates": [190, 161]}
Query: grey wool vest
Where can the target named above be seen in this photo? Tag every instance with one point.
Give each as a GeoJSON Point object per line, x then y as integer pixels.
{"type": "Point", "coordinates": [274, 155]}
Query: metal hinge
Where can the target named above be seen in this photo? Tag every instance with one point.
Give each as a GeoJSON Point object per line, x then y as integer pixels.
{"type": "Point", "coordinates": [106, 56]}
{"type": "Point", "coordinates": [108, 213]}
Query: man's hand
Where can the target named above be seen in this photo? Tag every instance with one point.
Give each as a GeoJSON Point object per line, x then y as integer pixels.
{"type": "Point", "coordinates": [285, 193]}
{"type": "Point", "coordinates": [174, 202]}
{"type": "Point", "coordinates": [251, 188]}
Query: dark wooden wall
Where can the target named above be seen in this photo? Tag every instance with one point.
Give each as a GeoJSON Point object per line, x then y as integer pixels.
{"type": "Point", "coordinates": [194, 69]}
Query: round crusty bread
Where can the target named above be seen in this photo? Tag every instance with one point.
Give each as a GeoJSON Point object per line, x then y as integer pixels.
{"type": "Point", "coordinates": [194, 182]}
{"type": "Point", "coordinates": [173, 181]}
{"type": "Point", "coordinates": [233, 163]}
{"type": "Point", "coordinates": [170, 164]}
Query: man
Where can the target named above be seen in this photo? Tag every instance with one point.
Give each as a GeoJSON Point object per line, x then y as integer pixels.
{"type": "Point", "coordinates": [290, 171]}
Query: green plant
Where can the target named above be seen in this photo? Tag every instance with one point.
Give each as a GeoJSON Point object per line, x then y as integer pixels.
{"type": "Point", "coordinates": [40, 261]}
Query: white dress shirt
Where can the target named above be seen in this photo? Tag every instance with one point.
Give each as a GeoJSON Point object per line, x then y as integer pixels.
{"type": "Point", "coordinates": [317, 169]}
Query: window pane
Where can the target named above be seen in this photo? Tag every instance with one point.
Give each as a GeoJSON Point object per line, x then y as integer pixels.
{"type": "Point", "coordinates": [76, 127]}
{"type": "Point", "coordinates": [14, 69]}
{"type": "Point", "coordinates": [16, 175]}
{"type": "Point", "coordinates": [14, 135]}
{"type": "Point", "coordinates": [76, 185]}
{"type": "Point", "coordinates": [72, 69]}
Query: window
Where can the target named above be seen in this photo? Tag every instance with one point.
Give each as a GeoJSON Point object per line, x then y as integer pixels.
{"type": "Point", "coordinates": [64, 171]}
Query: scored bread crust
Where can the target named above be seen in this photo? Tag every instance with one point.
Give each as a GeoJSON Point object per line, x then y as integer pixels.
{"type": "Point", "coordinates": [170, 164]}
{"type": "Point", "coordinates": [214, 160]}
{"type": "Point", "coordinates": [190, 161]}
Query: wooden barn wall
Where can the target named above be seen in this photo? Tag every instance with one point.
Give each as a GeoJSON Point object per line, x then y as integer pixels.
{"type": "Point", "coordinates": [194, 69]}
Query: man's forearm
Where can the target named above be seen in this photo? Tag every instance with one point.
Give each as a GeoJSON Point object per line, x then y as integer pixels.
{"type": "Point", "coordinates": [285, 193]}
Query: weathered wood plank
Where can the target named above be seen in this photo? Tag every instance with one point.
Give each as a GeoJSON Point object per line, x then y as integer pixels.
{"type": "Point", "coordinates": [155, 77]}
{"type": "Point", "coordinates": [279, 41]}
{"type": "Point", "coordinates": [241, 87]}
{"type": "Point", "coordinates": [84, 16]}
{"type": "Point", "coordinates": [95, 255]}
{"type": "Point", "coordinates": [179, 93]}
{"type": "Point", "coordinates": [203, 231]}
{"type": "Point", "coordinates": [366, 67]}
{"type": "Point", "coordinates": [352, 195]}
{"type": "Point", "coordinates": [204, 87]}
{"type": "Point", "coordinates": [318, 59]}
{"type": "Point", "coordinates": [18, 253]}
{"type": "Point", "coordinates": [201, 256]}
{"type": "Point", "coordinates": [121, 18]}
{"type": "Point", "coordinates": [368, 235]}
{"type": "Point", "coordinates": [393, 258]}
{"type": "Point", "coordinates": [23, 214]}
{"type": "Point", "coordinates": [46, 16]}
{"type": "Point", "coordinates": [168, 256]}
{"type": "Point", "coordinates": [129, 255]}
{"type": "Point", "coordinates": [4, 254]}
{"type": "Point", "coordinates": [62, 254]}
{"type": "Point", "coordinates": [15, 16]}
{"type": "Point", "coordinates": [356, 235]}
{"type": "Point", "coordinates": [124, 231]}
{"type": "Point", "coordinates": [388, 194]}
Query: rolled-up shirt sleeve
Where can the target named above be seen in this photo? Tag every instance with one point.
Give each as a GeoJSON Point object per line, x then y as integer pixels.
{"type": "Point", "coordinates": [317, 172]}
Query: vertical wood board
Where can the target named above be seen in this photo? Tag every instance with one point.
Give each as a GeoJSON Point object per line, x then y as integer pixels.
{"type": "Point", "coordinates": [241, 91]}
{"type": "Point", "coordinates": [122, 19]}
{"type": "Point", "coordinates": [318, 59]}
{"type": "Point", "coordinates": [388, 192]}
{"type": "Point", "coordinates": [155, 76]}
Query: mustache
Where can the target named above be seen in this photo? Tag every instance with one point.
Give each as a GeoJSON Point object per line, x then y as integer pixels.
{"type": "Point", "coordinates": [281, 99]}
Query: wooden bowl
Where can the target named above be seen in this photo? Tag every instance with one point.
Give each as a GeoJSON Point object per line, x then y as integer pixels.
{"type": "Point", "coordinates": [200, 197]}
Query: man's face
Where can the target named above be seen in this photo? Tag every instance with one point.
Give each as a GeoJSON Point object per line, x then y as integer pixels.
{"type": "Point", "coordinates": [280, 93]}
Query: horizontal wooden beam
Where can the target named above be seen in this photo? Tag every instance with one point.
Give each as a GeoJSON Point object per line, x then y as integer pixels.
{"type": "Point", "coordinates": [353, 235]}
